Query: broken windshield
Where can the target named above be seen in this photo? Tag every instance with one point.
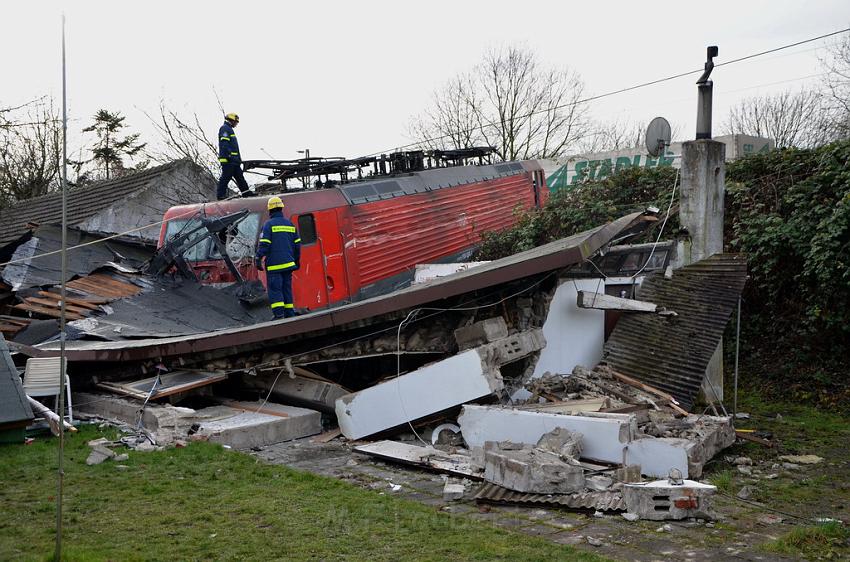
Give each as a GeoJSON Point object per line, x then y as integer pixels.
{"type": "Point", "coordinates": [241, 241]}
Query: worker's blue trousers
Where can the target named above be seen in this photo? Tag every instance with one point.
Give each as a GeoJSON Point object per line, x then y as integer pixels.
{"type": "Point", "coordinates": [280, 293]}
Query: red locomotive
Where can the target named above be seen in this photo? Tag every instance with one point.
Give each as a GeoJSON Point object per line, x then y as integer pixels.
{"type": "Point", "coordinates": [364, 238]}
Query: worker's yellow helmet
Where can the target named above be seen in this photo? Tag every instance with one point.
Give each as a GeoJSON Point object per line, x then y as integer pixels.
{"type": "Point", "coordinates": [232, 117]}
{"type": "Point", "coordinates": [275, 203]}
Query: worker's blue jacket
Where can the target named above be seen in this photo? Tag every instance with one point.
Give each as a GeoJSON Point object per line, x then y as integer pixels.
{"type": "Point", "coordinates": [279, 244]}
{"type": "Point", "coordinates": [228, 146]}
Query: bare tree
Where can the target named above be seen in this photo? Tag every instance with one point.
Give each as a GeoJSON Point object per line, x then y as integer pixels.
{"type": "Point", "coordinates": [509, 102]}
{"type": "Point", "coordinates": [608, 136]}
{"type": "Point", "coordinates": [450, 122]}
{"type": "Point", "coordinates": [183, 137]}
{"type": "Point", "coordinates": [30, 150]}
{"type": "Point", "coordinates": [837, 85]}
{"type": "Point", "coordinates": [789, 118]}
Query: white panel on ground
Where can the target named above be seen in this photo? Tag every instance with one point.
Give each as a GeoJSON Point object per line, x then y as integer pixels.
{"type": "Point", "coordinates": [574, 335]}
{"type": "Point", "coordinates": [431, 389]}
{"type": "Point", "coordinates": [603, 438]}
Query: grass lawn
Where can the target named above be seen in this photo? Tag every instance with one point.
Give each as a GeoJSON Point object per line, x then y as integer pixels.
{"type": "Point", "coordinates": [206, 503]}
{"type": "Point", "coordinates": [818, 491]}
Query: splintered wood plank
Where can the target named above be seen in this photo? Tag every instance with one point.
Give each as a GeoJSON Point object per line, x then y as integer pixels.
{"type": "Point", "coordinates": [76, 302]}
{"type": "Point", "coordinates": [15, 320]}
{"type": "Point", "coordinates": [52, 303]}
{"type": "Point", "coordinates": [52, 312]}
{"type": "Point", "coordinates": [105, 285]}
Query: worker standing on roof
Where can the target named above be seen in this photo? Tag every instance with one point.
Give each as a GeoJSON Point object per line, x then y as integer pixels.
{"type": "Point", "coordinates": [229, 158]}
{"type": "Point", "coordinates": [280, 245]}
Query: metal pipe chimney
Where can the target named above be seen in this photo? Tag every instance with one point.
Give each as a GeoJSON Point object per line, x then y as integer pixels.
{"type": "Point", "coordinates": [705, 88]}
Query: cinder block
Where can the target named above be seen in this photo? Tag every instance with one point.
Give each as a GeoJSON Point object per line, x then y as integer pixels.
{"type": "Point", "coordinates": [482, 332]}
{"type": "Point", "coordinates": [452, 492]}
{"type": "Point", "coordinates": [530, 470]}
{"type": "Point", "coordinates": [660, 500]}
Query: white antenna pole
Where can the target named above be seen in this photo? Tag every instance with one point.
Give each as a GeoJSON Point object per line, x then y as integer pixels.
{"type": "Point", "coordinates": [61, 412]}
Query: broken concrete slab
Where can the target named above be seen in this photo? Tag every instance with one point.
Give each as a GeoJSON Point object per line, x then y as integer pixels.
{"type": "Point", "coordinates": [482, 332]}
{"type": "Point", "coordinates": [601, 301]}
{"type": "Point", "coordinates": [300, 389]}
{"type": "Point", "coordinates": [258, 424]}
{"type": "Point", "coordinates": [563, 442]}
{"type": "Point", "coordinates": [241, 424]}
{"type": "Point", "coordinates": [467, 376]}
{"type": "Point", "coordinates": [801, 459]}
{"type": "Point", "coordinates": [611, 438]}
{"type": "Point", "coordinates": [458, 463]}
{"type": "Point", "coordinates": [531, 470]}
{"type": "Point", "coordinates": [661, 500]}
{"type": "Point", "coordinates": [431, 389]}
{"type": "Point", "coordinates": [98, 454]}
{"type": "Point", "coordinates": [604, 436]}
{"type": "Point", "coordinates": [164, 422]}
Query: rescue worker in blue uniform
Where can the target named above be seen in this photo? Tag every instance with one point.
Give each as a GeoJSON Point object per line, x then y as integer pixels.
{"type": "Point", "coordinates": [229, 158]}
{"type": "Point", "coordinates": [280, 245]}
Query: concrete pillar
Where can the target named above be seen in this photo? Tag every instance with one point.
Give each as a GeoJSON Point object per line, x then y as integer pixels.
{"type": "Point", "coordinates": [701, 212]}
{"type": "Point", "coordinates": [701, 196]}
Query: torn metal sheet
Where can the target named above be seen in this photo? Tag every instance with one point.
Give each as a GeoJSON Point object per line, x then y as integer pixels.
{"type": "Point", "coordinates": [164, 310]}
{"type": "Point", "coordinates": [167, 385]}
{"type": "Point", "coordinates": [556, 255]}
{"type": "Point", "coordinates": [424, 457]}
{"type": "Point", "coordinates": [672, 353]}
{"type": "Point", "coordinates": [38, 266]}
{"type": "Point", "coordinates": [598, 501]}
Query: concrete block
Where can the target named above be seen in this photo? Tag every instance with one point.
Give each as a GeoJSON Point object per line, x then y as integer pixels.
{"type": "Point", "coordinates": [242, 427]}
{"type": "Point", "coordinates": [304, 391]}
{"type": "Point", "coordinates": [628, 474]}
{"type": "Point", "coordinates": [604, 435]}
{"type": "Point", "coordinates": [659, 500]}
{"type": "Point", "coordinates": [531, 471]}
{"type": "Point", "coordinates": [453, 492]}
{"type": "Point", "coordinates": [562, 442]}
{"type": "Point", "coordinates": [99, 454]}
{"type": "Point", "coordinates": [164, 422]}
{"type": "Point", "coordinates": [482, 332]}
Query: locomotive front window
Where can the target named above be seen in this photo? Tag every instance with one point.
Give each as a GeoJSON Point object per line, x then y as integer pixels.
{"type": "Point", "coordinates": [307, 229]}
{"type": "Point", "coordinates": [241, 240]}
{"type": "Point", "coordinates": [174, 228]}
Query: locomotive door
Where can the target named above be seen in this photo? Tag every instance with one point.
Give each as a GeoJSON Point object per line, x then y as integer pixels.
{"type": "Point", "coordinates": [321, 280]}
{"type": "Point", "coordinates": [308, 282]}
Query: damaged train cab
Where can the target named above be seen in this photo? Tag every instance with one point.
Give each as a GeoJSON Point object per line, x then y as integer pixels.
{"type": "Point", "coordinates": [364, 238]}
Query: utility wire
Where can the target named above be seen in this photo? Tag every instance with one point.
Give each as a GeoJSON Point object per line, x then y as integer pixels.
{"type": "Point", "coordinates": [417, 143]}
{"type": "Point", "coordinates": [621, 90]}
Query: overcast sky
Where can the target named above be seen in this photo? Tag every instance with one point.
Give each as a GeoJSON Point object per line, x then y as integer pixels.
{"type": "Point", "coordinates": [344, 78]}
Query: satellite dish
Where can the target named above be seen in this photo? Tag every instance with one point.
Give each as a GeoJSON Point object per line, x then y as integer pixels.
{"type": "Point", "coordinates": [657, 136]}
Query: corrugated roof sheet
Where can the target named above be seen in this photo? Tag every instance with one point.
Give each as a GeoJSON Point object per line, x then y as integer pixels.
{"type": "Point", "coordinates": [83, 201]}
{"type": "Point", "coordinates": [601, 501]}
{"type": "Point", "coordinates": [672, 353]}
{"type": "Point", "coordinates": [14, 406]}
